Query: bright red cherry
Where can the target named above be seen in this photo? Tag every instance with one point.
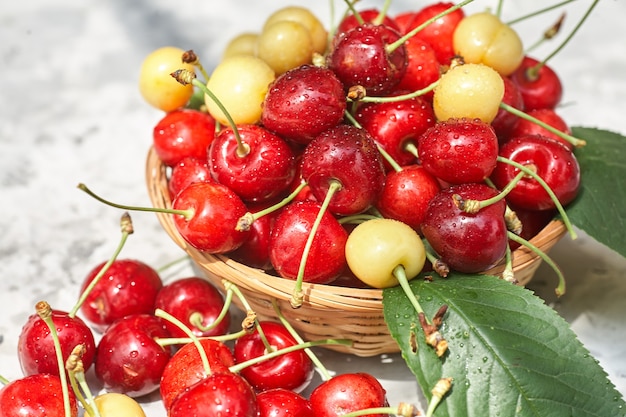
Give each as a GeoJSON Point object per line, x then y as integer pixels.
{"type": "Point", "coordinates": [280, 402]}
{"type": "Point", "coordinates": [505, 122]}
{"type": "Point", "coordinates": [422, 68]}
{"type": "Point", "coordinates": [293, 225]}
{"type": "Point", "coordinates": [35, 347]}
{"type": "Point", "coordinates": [255, 250]}
{"type": "Point", "coordinates": [38, 395]}
{"type": "Point", "coordinates": [349, 156]}
{"type": "Point", "coordinates": [187, 296]}
{"type": "Point", "coordinates": [128, 287]}
{"type": "Point", "coordinates": [303, 102]}
{"type": "Point", "coordinates": [466, 242]}
{"type": "Point", "coordinates": [293, 370]}
{"type": "Point", "coordinates": [182, 133]}
{"type": "Point", "coordinates": [360, 56]}
{"type": "Point", "coordinates": [187, 171]}
{"type": "Point", "coordinates": [262, 172]}
{"type": "Point", "coordinates": [371, 15]}
{"type": "Point", "coordinates": [348, 392]}
{"type": "Point", "coordinates": [129, 360]}
{"type": "Point", "coordinates": [540, 89]}
{"type": "Point", "coordinates": [459, 150]}
{"type": "Point", "coordinates": [215, 212]}
{"type": "Point", "coordinates": [555, 163]}
{"type": "Point", "coordinates": [550, 117]}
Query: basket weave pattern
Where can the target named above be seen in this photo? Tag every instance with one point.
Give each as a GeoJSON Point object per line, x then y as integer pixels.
{"type": "Point", "coordinates": [328, 311]}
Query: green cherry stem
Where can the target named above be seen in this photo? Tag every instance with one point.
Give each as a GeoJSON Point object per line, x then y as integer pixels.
{"type": "Point", "coordinates": [578, 143]}
{"type": "Point", "coordinates": [187, 214]}
{"type": "Point", "coordinates": [402, 410]}
{"type": "Point", "coordinates": [190, 57]}
{"type": "Point", "coordinates": [44, 311]}
{"type": "Point", "coordinates": [560, 289]}
{"type": "Point", "coordinates": [251, 320]}
{"type": "Point", "coordinates": [247, 219]}
{"type": "Point", "coordinates": [203, 357]}
{"type": "Point", "coordinates": [297, 296]}
{"type": "Point", "coordinates": [508, 274]}
{"type": "Point", "coordinates": [439, 391]}
{"type": "Point", "coordinates": [76, 371]}
{"type": "Point", "coordinates": [4, 381]}
{"type": "Point", "coordinates": [173, 263]}
{"type": "Point", "coordinates": [400, 274]}
{"type": "Point", "coordinates": [393, 99]}
{"type": "Point", "coordinates": [316, 361]}
{"type": "Point", "coordinates": [355, 12]}
{"type": "Point", "coordinates": [538, 12]}
{"type": "Point", "coordinates": [394, 45]}
{"type": "Point", "coordinates": [382, 14]}
{"type": "Point", "coordinates": [197, 320]}
{"type": "Point", "coordinates": [473, 206]}
{"type": "Point", "coordinates": [127, 230]}
{"type": "Point", "coordinates": [547, 188]}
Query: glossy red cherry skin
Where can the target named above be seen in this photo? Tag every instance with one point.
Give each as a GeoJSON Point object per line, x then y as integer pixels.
{"type": "Point", "coordinates": [292, 371]}
{"type": "Point", "coordinates": [129, 360]}
{"type": "Point", "coordinates": [466, 242]}
{"type": "Point", "coordinates": [548, 116]}
{"type": "Point", "coordinates": [543, 91]}
{"type": "Point", "coordinates": [505, 122]}
{"type": "Point", "coordinates": [187, 171]}
{"type": "Point", "coordinates": [349, 392]}
{"type": "Point", "coordinates": [128, 287]}
{"type": "Point", "coordinates": [554, 163]}
{"type": "Point", "coordinates": [38, 395]}
{"type": "Point", "coordinates": [370, 15]}
{"type": "Point", "coordinates": [280, 402]}
{"type": "Point", "coordinates": [35, 347]}
{"type": "Point", "coordinates": [303, 102]}
{"type": "Point", "coordinates": [183, 133]}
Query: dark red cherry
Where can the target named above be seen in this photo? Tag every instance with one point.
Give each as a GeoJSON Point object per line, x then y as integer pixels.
{"type": "Point", "coordinates": [539, 90]}
{"type": "Point", "coordinates": [371, 16]}
{"type": "Point", "coordinates": [505, 121]}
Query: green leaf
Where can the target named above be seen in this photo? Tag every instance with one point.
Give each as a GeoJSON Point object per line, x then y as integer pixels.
{"type": "Point", "coordinates": [600, 208]}
{"type": "Point", "coordinates": [509, 354]}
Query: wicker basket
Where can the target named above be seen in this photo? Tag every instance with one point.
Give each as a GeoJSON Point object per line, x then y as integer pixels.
{"type": "Point", "coordinates": [328, 311]}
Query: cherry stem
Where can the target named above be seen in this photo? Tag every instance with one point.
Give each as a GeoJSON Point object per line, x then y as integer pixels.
{"type": "Point", "coordinates": [297, 296]}
{"type": "Point", "coordinates": [394, 45]}
{"type": "Point", "coordinates": [170, 264]}
{"type": "Point", "coordinates": [400, 274]}
{"type": "Point", "coordinates": [127, 229]}
{"type": "Point", "coordinates": [247, 219]}
{"type": "Point", "coordinates": [4, 381]}
{"type": "Point", "coordinates": [407, 96]}
{"type": "Point", "coordinates": [172, 341]}
{"type": "Point", "coordinates": [499, 8]}
{"type": "Point", "coordinates": [508, 274]}
{"type": "Point", "coordinates": [402, 410]}
{"type": "Point", "coordinates": [318, 364]}
{"type": "Point", "coordinates": [187, 214]}
{"type": "Point", "coordinates": [560, 289]}
{"type": "Point", "coordinates": [533, 72]}
{"type": "Point", "coordinates": [76, 371]}
{"type": "Point", "coordinates": [381, 15]}
{"type": "Point", "coordinates": [537, 12]}
{"type": "Point", "coordinates": [473, 206]}
{"type": "Point", "coordinates": [357, 218]}
{"type": "Point", "coordinates": [196, 318]}
{"type": "Point", "coordinates": [190, 57]}
{"type": "Point", "coordinates": [203, 357]}
{"type": "Point", "coordinates": [578, 143]}
{"type": "Point", "coordinates": [275, 353]}
{"type": "Point", "coordinates": [44, 311]}
{"type": "Point", "coordinates": [440, 389]}
{"type": "Point", "coordinates": [546, 187]}
{"type": "Point", "coordinates": [355, 12]}
{"type": "Point", "coordinates": [548, 34]}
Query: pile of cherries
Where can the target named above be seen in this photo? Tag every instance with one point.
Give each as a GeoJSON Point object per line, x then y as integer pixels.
{"type": "Point", "coordinates": [319, 157]}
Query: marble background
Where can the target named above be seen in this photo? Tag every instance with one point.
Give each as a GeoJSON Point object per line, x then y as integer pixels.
{"type": "Point", "coordinates": [70, 112]}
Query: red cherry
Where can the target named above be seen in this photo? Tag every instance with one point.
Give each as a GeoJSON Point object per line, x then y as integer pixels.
{"type": "Point", "coordinates": [422, 68]}
{"type": "Point", "coordinates": [303, 102]}
{"type": "Point", "coordinates": [348, 155]}
{"type": "Point", "coordinates": [38, 395]}
{"type": "Point", "coordinates": [129, 360]}
{"type": "Point", "coordinates": [187, 171]}
{"type": "Point", "coordinates": [265, 170]}
{"type": "Point", "coordinates": [35, 347]}
{"type": "Point", "coordinates": [182, 133]}
{"type": "Point", "coordinates": [326, 258]}
{"type": "Point", "coordinates": [255, 250]}
{"type": "Point", "coordinates": [406, 195]}
{"type": "Point", "coordinates": [549, 117]}
{"type": "Point", "coordinates": [438, 34]}
{"type": "Point", "coordinates": [216, 211]}
{"type": "Point", "coordinates": [555, 163]}
{"type": "Point", "coordinates": [505, 121]}
{"type": "Point", "coordinates": [459, 150]}
{"type": "Point", "coordinates": [346, 393]}
{"type": "Point", "coordinates": [219, 394]}
{"type": "Point", "coordinates": [543, 90]}
{"type": "Point", "coordinates": [128, 287]}
{"type": "Point", "coordinates": [397, 125]}
{"type": "Point", "coordinates": [466, 242]}
{"type": "Point", "coordinates": [293, 370]}
{"type": "Point", "coordinates": [185, 368]}
{"type": "Point", "coordinates": [533, 221]}
{"type": "Point", "coordinates": [185, 296]}
{"type": "Point", "coordinates": [360, 57]}
{"type": "Point", "coordinates": [280, 402]}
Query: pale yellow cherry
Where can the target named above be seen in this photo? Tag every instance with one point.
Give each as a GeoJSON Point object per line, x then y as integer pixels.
{"type": "Point", "coordinates": [302, 15]}
{"type": "Point", "coordinates": [157, 86]}
{"type": "Point", "coordinates": [482, 38]}
{"type": "Point", "coordinates": [112, 404]}
{"type": "Point", "coordinates": [285, 45]}
{"type": "Point", "coordinates": [242, 44]}
{"type": "Point", "coordinates": [376, 247]}
{"type": "Point", "coordinates": [471, 91]}
{"type": "Point", "coordinates": [240, 83]}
